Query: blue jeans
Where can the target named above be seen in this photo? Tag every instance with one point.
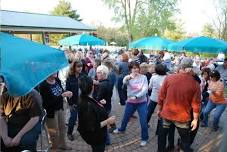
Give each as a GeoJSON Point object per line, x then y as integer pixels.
{"type": "Point", "coordinates": [107, 132]}
{"type": "Point", "coordinates": [142, 111]}
{"type": "Point", "coordinates": [72, 119]}
{"type": "Point", "coordinates": [220, 108]}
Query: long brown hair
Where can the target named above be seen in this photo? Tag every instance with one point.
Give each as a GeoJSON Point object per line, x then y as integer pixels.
{"type": "Point", "coordinates": [73, 66]}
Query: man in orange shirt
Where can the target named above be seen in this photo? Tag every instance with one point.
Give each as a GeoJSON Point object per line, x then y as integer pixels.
{"type": "Point", "coordinates": [179, 95]}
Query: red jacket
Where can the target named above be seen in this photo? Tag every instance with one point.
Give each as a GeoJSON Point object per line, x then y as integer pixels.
{"type": "Point", "coordinates": [179, 95]}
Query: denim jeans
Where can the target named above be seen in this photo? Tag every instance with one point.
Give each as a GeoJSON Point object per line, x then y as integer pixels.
{"type": "Point", "coordinates": [72, 119]}
{"type": "Point", "coordinates": [205, 96]}
{"type": "Point", "coordinates": [151, 107]}
{"type": "Point", "coordinates": [107, 132]}
{"type": "Point", "coordinates": [220, 108]}
{"type": "Point", "coordinates": [142, 111]}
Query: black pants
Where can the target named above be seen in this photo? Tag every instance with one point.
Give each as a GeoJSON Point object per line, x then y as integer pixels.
{"type": "Point", "coordinates": [98, 148]}
{"type": "Point", "coordinates": [184, 135]}
{"type": "Point", "coordinates": [150, 110]}
{"type": "Point", "coordinates": [193, 133]}
{"type": "Point", "coordinates": [122, 90]}
{"type": "Point", "coordinates": [170, 134]}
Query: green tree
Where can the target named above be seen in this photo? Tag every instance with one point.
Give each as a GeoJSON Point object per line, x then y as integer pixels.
{"type": "Point", "coordinates": [112, 34]}
{"type": "Point", "coordinates": [177, 34]}
{"type": "Point", "coordinates": [156, 17]}
{"type": "Point", "coordinates": [208, 30]}
{"type": "Point", "coordinates": [63, 8]}
{"type": "Point", "coordinates": [125, 11]}
{"type": "Point", "coordinates": [220, 20]}
{"type": "Point", "coordinates": [144, 17]}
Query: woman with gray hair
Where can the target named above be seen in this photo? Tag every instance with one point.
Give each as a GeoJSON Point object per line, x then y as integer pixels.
{"type": "Point", "coordinates": [104, 91]}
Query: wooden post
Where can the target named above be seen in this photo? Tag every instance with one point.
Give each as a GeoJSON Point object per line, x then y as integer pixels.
{"type": "Point", "coordinates": [43, 38]}
{"type": "Point", "coordinates": [31, 36]}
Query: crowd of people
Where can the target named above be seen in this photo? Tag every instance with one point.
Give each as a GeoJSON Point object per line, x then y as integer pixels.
{"type": "Point", "coordinates": [184, 89]}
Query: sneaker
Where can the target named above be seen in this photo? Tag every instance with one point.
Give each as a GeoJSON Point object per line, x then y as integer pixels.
{"type": "Point", "coordinates": [143, 143]}
{"type": "Point", "coordinates": [116, 131]}
{"type": "Point", "coordinates": [112, 128]}
{"type": "Point", "coordinates": [70, 137]}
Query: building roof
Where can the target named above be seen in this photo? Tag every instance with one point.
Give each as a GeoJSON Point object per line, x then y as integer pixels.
{"type": "Point", "coordinates": [32, 22]}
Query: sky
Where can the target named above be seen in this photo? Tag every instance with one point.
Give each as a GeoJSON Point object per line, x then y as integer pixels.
{"type": "Point", "coordinates": [193, 13]}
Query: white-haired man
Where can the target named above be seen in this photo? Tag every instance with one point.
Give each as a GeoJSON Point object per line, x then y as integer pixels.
{"type": "Point", "coordinates": [179, 95]}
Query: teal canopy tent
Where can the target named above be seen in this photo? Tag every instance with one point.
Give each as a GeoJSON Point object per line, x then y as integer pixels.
{"type": "Point", "coordinates": [24, 64]}
{"type": "Point", "coordinates": [152, 43]}
{"type": "Point", "coordinates": [200, 45]}
{"type": "Point", "coordinates": [83, 39]}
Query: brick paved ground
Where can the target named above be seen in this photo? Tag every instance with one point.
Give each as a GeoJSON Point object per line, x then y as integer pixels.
{"type": "Point", "coordinates": [206, 140]}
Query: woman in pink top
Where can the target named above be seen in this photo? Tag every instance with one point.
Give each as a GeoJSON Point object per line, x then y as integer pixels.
{"type": "Point", "coordinates": [137, 88]}
{"type": "Point", "coordinates": [216, 100]}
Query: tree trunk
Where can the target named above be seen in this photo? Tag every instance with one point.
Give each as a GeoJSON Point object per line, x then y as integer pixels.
{"type": "Point", "coordinates": [130, 37]}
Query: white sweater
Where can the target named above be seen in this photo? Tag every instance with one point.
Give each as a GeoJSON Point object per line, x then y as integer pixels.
{"type": "Point", "coordinates": [155, 84]}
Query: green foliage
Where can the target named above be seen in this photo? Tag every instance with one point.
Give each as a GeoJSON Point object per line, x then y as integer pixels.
{"type": "Point", "coordinates": [176, 34]}
{"type": "Point", "coordinates": [143, 18]}
{"type": "Point", "coordinates": [64, 8]}
{"type": "Point", "coordinates": [156, 17]}
{"type": "Point", "coordinates": [112, 35]}
{"type": "Point", "coordinates": [208, 30]}
{"type": "Point", "coordinates": [217, 27]}
{"type": "Point", "coordinates": [54, 38]}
